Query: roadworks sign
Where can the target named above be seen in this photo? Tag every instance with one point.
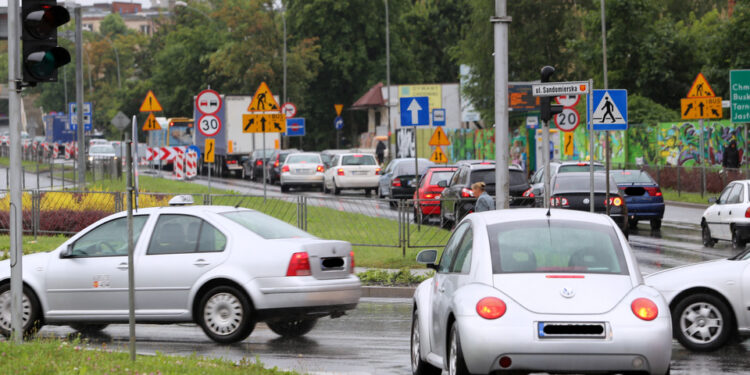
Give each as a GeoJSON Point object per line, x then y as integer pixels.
{"type": "Point", "coordinates": [701, 88]}
{"type": "Point", "coordinates": [439, 139]}
{"type": "Point", "coordinates": [150, 104]}
{"type": "Point", "coordinates": [151, 123]}
{"type": "Point", "coordinates": [264, 123]}
{"type": "Point", "coordinates": [263, 100]}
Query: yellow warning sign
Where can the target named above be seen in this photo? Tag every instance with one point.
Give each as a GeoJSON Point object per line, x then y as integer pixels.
{"type": "Point", "coordinates": [439, 139]}
{"type": "Point", "coordinates": [700, 88]}
{"type": "Point", "coordinates": [338, 107]}
{"type": "Point", "coordinates": [568, 147]}
{"type": "Point", "coordinates": [151, 123]}
{"type": "Point", "coordinates": [150, 104]}
{"type": "Point", "coordinates": [438, 156]}
{"type": "Point", "coordinates": [701, 108]}
{"type": "Point", "coordinates": [263, 100]}
{"type": "Point", "coordinates": [208, 155]}
{"type": "Point", "coordinates": [264, 123]}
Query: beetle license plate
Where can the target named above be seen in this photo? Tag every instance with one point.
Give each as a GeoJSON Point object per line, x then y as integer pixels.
{"type": "Point", "coordinates": [551, 330]}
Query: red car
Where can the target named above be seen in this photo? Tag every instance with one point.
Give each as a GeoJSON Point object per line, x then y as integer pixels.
{"type": "Point", "coordinates": [428, 189]}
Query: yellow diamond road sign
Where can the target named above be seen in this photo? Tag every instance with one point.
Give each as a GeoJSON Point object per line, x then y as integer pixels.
{"type": "Point", "coordinates": [263, 100]}
{"type": "Point", "coordinates": [264, 123]}
{"type": "Point", "coordinates": [439, 139]}
{"type": "Point", "coordinates": [438, 156]}
{"type": "Point", "coordinates": [700, 88]}
{"type": "Point", "coordinates": [701, 108]}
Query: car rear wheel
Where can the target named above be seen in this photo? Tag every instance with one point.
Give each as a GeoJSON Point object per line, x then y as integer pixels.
{"type": "Point", "coordinates": [292, 328]}
{"type": "Point", "coordinates": [706, 234]}
{"type": "Point", "coordinates": [456, 362]}
{"type": "Point", "coordinates": [368, 192]}
{"type": "Point", "coordinates": [30, 312]}
{"type": "Point", "coordinates": [418, 366]}
{"type": "Point", "coordinates": [225, 315]}
{"type": "Point", "coordinates": [325, 188]}
{"type": "Point", "coordinates": [738, 242]}
{"type": "Point", "coordinates": [633, 223]}
{"type": "Point", "coordinates": [284, 188]}
{"type": "Point", "coordinates": [655, 224]}
{"type": "Point", "coordinates": [701, 322]}
{"type": "Point", "coordinates": [336, 190]}
{"type": "Point", "coordinates": [88, 328]}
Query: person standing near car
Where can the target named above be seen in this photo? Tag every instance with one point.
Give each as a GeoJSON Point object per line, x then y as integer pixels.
{"type": "Point", "coordinates": [731, 156]}
{"type": "Point", "coordinates": [484, 201]}
{"type": "Point", "coordinates": [380, 152]}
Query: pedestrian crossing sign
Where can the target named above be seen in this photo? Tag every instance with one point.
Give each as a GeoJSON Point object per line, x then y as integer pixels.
{"type": "Point", "coordinates": [263, 100]}
{"type": "Point", "coordinates": [610, 111]}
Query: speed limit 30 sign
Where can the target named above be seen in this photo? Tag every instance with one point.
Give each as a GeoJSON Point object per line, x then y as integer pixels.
{"type": "Point", "coordinates": [209, 125]}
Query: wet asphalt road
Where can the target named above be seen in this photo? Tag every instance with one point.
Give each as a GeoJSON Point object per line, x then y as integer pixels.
{"type": "Point", "coordinates": [374, 338]}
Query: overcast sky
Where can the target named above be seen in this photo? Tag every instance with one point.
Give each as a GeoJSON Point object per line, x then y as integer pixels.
{"type": "Point", "coordinates": [146, 3]}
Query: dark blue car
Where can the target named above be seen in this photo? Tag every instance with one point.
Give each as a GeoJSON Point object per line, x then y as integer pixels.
{"type": "Point", "coordinates": [642, 195]}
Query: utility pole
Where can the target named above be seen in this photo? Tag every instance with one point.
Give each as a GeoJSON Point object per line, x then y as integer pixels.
{"type": "Point", "coordinates": [606, 86]}
{"type": "Point", "coordinates": [391, 148]}
{"type": "Point", "coordinates": [15, 177]}
{"type": "Point", "coordinates": [81, 155]}
{"type": "Point", "coordinates": [283, 96]}
{"type": "Point", "coordinates": [500, 24]}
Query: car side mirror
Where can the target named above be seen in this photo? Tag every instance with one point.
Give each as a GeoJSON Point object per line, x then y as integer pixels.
{"type": "Point", "coordinates": [443, 183]}
{"type": "Point", "coordinates": [428, 258]}
{"type": "Point", "coordinates": [67, 252]}
{"type": "Point", "coordinates": [713, 200]}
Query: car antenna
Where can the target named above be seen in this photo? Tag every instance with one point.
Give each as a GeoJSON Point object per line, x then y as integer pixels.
{"type": "Point", "coordinates": [548, 211]}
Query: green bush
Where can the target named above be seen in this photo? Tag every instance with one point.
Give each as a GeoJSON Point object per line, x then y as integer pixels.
{"type": "Point", "coordinates": [402, 277]}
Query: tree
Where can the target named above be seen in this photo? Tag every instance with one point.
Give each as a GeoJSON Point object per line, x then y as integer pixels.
{"type": "Point", "coordinates": [112, 25]}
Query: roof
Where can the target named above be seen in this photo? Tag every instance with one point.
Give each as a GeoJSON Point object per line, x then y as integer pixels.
{"type": "Point", "coordinates": [372, 98]}
{"type": "Point", "coordinates": [521, 214]}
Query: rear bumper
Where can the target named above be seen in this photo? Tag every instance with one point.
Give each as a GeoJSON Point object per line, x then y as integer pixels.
{"type": "Point", "coordinates": [402, 192]}
{"type": "Point", "coordinates": [303, 292]}
{"type": "Point", "coordinates": [357, 182]}
{"type": "Point", "coordinates": [314, 179]}
{"type": "Point", "coordinates": [646, 210]}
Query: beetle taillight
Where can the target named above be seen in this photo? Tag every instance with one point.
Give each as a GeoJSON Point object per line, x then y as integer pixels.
{"type": "Point", "coordinates": [614, 201]}
{"type": "Point", "coordinates": [491, 307]}
{"type": "Point", "coordinates": [644, 309]}
{"type": "Point", "coordinates": [299, 265]}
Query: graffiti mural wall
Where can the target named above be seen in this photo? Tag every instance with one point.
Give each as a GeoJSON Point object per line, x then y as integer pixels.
{"type": "Point", "coordinates": [678, 143]}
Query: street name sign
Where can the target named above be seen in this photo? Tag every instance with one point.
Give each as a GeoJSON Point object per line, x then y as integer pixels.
{"type": "Point", "coordinates": [739, 95]}
{"type": "Point", "coordinates": [560, 88]}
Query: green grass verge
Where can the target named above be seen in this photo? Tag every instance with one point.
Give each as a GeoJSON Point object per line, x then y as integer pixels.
{"type": "Point", "coordinates": [28, 165]}
{"type": "Point", "coordinates": [52, 356]}
{"type": "Point", "coordinates": [31, 245]}
{"type": "Point", "coordinates": [671, 195]}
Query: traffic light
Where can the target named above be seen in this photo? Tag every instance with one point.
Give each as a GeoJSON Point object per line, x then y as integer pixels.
{"type": "Point", "coordinates": [41, 54]}
{"type": "Point", "coordinates": [547, 108]}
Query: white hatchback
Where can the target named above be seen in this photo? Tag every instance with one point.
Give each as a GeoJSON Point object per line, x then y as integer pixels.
{"type": "Point", "coordinates": [352, 171]}
{"type": "Point", "coordinates": [729, 217]}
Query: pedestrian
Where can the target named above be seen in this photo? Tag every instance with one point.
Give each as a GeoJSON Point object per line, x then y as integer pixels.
{"type": "Point", "coordinates": [731, 156]}
{"type": "Point", "coordinates": [380, 152]}
{"type": "Point", "coordinates": [484, 201]}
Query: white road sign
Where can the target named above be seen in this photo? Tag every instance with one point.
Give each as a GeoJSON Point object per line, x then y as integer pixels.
{"type": "Point", "coordinates": [209, 125]}
{"type": "Point", "coordinates": [289, 109]}
{"type": "Point", "coordinates": [568, 100]}
{"type": "Point", "coordinates": [567, 120]}
{"type": "Point", "coordinates": [560, 88]}
{"type": "Point", "coordinates": [208, 102]}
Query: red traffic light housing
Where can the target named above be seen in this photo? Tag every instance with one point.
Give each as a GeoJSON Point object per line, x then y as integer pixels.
{"type": "Point", "coordinates": [41, 54]}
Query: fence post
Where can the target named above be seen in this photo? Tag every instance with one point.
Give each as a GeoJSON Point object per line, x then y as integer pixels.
{"type": "Point", "coordinates": [679, 185]}
{"type": "Point", "coordinates": [37, 175]}
{"type": "Point", "coordinates": [23, 177]}
{"type": "Point", "coordinates": [35, 203]}
{"type": "Point", "coordinates": [304, 206]}
{"type": "Point", "coordinates": [404, 221]}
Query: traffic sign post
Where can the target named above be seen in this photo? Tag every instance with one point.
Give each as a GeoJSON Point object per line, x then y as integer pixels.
{"type": "Point", "coordinates": [73, 116]}
{"type": "Point", "coordinates": [560, 88]}
{"type": "Point", "coordinates": [150, 104]}
{"type": "Point", "coordinates": [120, 121]}
{"type": "Point", "coordinates": [567, 120]}
{"type": "Point", "coordinates": [701, 103]}
{"type": "Point", "coordinates": [415, 111]}
{"type": "Point", "coordinates": [264, 123]}
{"type": "Point", "coordinates": [610, 110]}
{"type": "Point", "coordinates": [438, 156]}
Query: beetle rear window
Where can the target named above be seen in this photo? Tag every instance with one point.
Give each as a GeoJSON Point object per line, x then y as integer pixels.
{"type": "Point", "coordinates": [266, 226]}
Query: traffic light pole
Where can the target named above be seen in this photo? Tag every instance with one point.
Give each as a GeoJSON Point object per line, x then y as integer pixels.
{"type": "Point", "coordinates": [545, 159]}
{"type": "Point", "coordinates": [81, 154]}
{"type": "Point", "coordinates": [14, 119]}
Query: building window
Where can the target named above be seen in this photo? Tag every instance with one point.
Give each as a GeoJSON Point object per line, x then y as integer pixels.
{"type": "Point", "coordinates": [146, 29]}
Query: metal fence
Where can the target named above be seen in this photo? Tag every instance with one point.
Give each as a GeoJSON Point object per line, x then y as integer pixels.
{"type": "Point", "coordinates": [361, 221]}
{"type": "Point", "coordinates": [691, 179]}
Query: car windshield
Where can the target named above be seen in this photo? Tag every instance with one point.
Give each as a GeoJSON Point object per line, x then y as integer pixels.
{"type": "Point", "coordinates": [266, 226]}
{"type": "Point", "coordinates": [102, 149]}
{"type": "Point", "coordinates": [440, 176]}
{"type": "Point", "coordinates": [580, 183]}
{"type": "Point", "coordinates": [549, 246]}
{"type": "Point", "coordinates": [303, 158]}
{"type": "Point", "coordinates": [632, 177]}
{"type": "Point", "coordinates": [358, 159]}
{"type": "Point", "coordinates": [580, 167]}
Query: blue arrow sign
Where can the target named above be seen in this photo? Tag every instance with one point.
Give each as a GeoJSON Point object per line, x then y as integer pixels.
{"type": "Point", "coordinates": [610, 110]}
{"type": "Point", "coordinates": [295, 127]}
{"type": "Point", "coordinates": [338, 123]}
{"type": "Point", "coordinates": [415, 110]}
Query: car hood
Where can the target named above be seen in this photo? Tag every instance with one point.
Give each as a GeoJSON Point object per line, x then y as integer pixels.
{"type": "Point", "coordinates": [542, 293]}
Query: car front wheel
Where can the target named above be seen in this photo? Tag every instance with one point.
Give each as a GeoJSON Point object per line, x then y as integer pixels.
{"type": "Point", "coordinates": [706, 234]}
{"type": "Point", "coordinates": [701, 322]}
{"type": "Point", "coordinates": [418, 366]}
{"type": "Point", "coordinates": [30, 312]}
{"type": "Point", "coordinates": [292, 328]}
{"type": "Point", "coordinates": [225, 315]}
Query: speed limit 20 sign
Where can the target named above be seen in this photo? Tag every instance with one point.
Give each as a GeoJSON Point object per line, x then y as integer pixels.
{"type": "Point", "coordinates": [209, 125]}
{"type": "Point", "coordinates": [568, 119]}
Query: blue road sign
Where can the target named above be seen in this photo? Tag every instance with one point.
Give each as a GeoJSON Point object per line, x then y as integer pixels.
{"type": "Point", "coordinates": [295, 127]}
{"type": "Point", "coordinates": [338, 123]}
{"type": "Point", "coordinates": [73, 118]}
{"type": "Point", "coordinates": [610, 111]}
{"type": "Point", "coordinates": [415, 110]}
{"type": "Point", "coordinates": [438, 117]}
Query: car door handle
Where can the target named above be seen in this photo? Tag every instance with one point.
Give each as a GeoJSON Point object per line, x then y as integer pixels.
{"type": "Point", "coordinates": [122, 266]}
{"type": "Point", "coordinates": [200, 263]}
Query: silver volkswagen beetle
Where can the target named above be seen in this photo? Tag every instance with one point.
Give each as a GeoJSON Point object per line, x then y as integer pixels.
{"type": "Point", "coordinates": [532, 290]}
{"type": "Point", "coordinates": [224, 268]}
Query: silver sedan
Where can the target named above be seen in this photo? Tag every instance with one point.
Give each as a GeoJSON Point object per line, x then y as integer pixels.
{"type": "Point", "coordinates": [527, 291]}
{"type": "Point", "coordinates": [302, 169]}
{"type": "Point", "coordinates": [224, 268]}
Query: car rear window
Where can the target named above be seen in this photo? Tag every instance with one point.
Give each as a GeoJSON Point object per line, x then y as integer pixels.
{"type": "Point", "coordinates": [487, 176]}
{"type": "Point", "coordinates": [580, 183]}
{"type": "Point", "coordinates": [102, 149]}
{"type": "Point", "coordinates": [266, 226]}
{"type": "Point", "coordinates": [440, 176]}
{"type": "Point", "coordinates": [358, 159]}
{"type": "Point", "coordinates": [578, 168]}
{"type": "Point", "coordinates": [555, 246]}
{"type": "Point", "coordinates": [304, 158]}
{"type": "Point", "coordinates": [632, 177]}
{"type": "Point", "coordinates": [407, 167]}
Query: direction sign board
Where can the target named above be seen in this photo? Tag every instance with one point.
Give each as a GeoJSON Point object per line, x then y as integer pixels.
{"type": "Point", "coordinates": [610, 110]}
{"type": "Point", "coordinates": [560, 88]}
{"type": "Point", "coordinates": [208, 102]}
{"type": "Point", "coordinates": [567, 120]}
{"type": "Point", "coordinates": [338, 123]}
{"type": "Point", "coordinates": [289, 109]}
{"type": "Point", "coordinates": [439, 139]}
{"type": "Point", "coordinates": [151, 123]}
{"type": "Point", "coordinates": [209, 125]}
{"type": "Point", "coordinates": [150, 104]}
{"type": "Point", "coordinates": [263, 123]}
{"type": "Point", "coordinates": [438, 156]}
{"type": "Point", "coordinates": [295, 127]}
{"type": "Point", "coordinates": [415, 110]}
{"type": "Point", "coordinates": [701, 108]}
{"type": "Point", "coordinates": [120, 121]}
{"type": "Point", "coordinates": [739, 95]}
{"type": "Point", "coordinates": [438, 117]}
{"type": "Point", "coordinates": [263, 100]}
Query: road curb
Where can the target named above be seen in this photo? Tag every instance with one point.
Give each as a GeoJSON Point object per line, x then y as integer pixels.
{"type": "Point", "coordinates": [388, 291]}
{"type": "Point", "coordinates": [687, 204]}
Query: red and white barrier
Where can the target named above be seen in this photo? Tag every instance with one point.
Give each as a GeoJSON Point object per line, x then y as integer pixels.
{"type": "Point", "coordinates": [68, 151]}
{"type": "Point", "coordinates": [191, 164]}
{"type": "Point", "coordinates": [55, 150]}
{"type": "Point", "coordinates": [178, 167]}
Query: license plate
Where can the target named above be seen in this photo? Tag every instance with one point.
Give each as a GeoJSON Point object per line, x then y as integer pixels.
{"type": "Point", "coordinates": [359, 173]}
{"type": "Point", "coordinates": [550, 330]}
{"type": "Point", "coordinates": [303, 171]}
